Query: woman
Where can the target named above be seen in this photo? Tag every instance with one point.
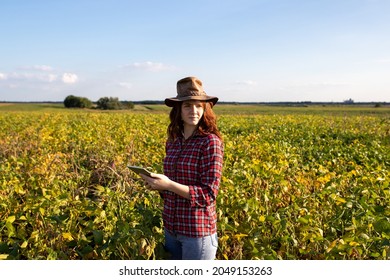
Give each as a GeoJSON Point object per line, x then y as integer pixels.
{"type": "Point", "coordinates": [192, 173]}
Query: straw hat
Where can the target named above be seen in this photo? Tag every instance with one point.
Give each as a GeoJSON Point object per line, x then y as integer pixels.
{"type": "Point", "coordinates": [190, 88]}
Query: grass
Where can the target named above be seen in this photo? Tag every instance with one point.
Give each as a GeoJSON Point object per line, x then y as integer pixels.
{"type": "Point", "coordinates": [30, 106]}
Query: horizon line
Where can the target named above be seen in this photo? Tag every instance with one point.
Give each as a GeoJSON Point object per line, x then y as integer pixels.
{"type": "Point", "coordinates": [346, 102]}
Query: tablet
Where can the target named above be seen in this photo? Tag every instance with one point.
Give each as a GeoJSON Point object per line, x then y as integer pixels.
{"type": "Point", "coordinates": [140, 170]}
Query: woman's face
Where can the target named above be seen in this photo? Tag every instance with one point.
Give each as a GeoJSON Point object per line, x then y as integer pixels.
{"type": "Point", "coordinates": [191, 112]}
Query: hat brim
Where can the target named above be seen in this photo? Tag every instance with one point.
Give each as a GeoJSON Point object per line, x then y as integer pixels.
{"type": "Point", "coordinates": [170, 102]}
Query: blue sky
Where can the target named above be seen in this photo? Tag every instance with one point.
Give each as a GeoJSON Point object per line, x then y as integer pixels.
{"type": "Point", "coordinates": [246, 50]}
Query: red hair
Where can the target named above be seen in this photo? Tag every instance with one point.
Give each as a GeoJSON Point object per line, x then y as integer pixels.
{"type": "Point", "coordinates": [207, 124]}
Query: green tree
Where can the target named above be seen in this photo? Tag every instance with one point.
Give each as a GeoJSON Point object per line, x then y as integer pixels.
{"type": "Point", "coordinates": [72, 101]}
{"type": "Point", "coordinates": [127, 105]}
{"type": "Point", "coordinates": [109, 103]}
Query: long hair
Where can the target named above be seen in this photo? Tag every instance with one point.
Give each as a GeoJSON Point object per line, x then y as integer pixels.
{"type": "Point", "coordinates": [207, 124]}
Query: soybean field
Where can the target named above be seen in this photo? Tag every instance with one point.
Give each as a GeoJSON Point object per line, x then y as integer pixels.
{"type": "Point", "coordinates": [298, 183]}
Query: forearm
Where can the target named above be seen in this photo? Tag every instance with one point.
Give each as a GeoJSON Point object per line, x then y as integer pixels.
{"type": "Point", "coordinates": [179, 189]}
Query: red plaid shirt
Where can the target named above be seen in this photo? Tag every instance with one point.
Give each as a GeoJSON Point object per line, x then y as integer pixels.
{"type": "Point", "coordinates": [197, 163]}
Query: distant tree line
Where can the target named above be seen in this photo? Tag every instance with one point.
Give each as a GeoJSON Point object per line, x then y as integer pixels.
{"type": "Point", "coordinates": [104, 103]}
{"type": "Point", "coordinates": [72, 101]}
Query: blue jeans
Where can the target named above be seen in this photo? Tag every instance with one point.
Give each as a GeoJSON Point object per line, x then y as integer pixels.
{"type": "Point", "coordinates": [189, 248]}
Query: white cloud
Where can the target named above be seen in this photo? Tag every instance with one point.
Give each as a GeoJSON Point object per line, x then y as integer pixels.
{"type": "Point", "coordinates": [31, 74]}
{"type": "Point", "coordinates": [150, 66]}
{"type": "Point", "coordinates": [45, 68]}
{"type": "Point", "coordinates": [47, 78]}
{"type": "Point", "coordinates": [31, 77]}
{"type": "Point", "coordinates": [316, 85]}
{"type": "Point", "coordinates": [376, 62]}
{"type": "Point", "coordinates": [69, 78]}
{"type": "Point", "coordinates": [383, 61]}
{"type": "Point", "coordinates": [246, 83]}
{"type": "Point", "coordinates": [125, 85]}
{"type": "Point", "coordinates": [52, 77]}
{"type": "Point", "coordinates": [241, 85]}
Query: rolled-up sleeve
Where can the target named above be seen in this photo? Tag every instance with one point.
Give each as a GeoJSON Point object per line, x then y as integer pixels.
{"type": "Point", "coordinates": [210, 167]}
